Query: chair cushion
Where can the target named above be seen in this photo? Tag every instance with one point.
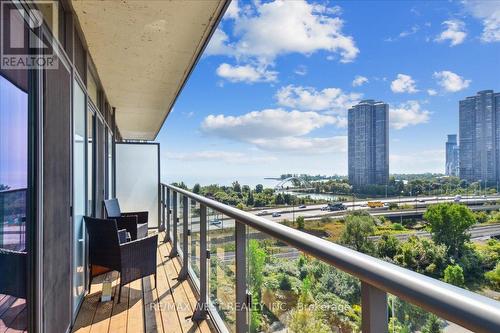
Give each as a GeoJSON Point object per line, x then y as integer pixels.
{"type": "Point", "coordinates": [142, 230]}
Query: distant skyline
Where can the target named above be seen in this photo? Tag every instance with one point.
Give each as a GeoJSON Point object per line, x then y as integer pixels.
{"type": "Point", "coordinates": [272, 91]}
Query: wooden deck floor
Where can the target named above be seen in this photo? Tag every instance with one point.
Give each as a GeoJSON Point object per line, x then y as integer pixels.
{"type": "Point", "coordinates": [13, 314]}
{"type": "Point", "coordinates": [143, 308]}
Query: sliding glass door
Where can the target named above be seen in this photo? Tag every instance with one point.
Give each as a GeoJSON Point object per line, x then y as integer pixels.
{"type": "Point", "coordinates": [79, 193]}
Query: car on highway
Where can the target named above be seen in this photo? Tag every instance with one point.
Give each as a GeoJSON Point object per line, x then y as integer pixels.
{"type": "Point", "coordinates": [276, 214]}
{"type": "Point", "coordinates": [215, 222]}
{"type": "Point", "coordinates": [302, 206]}
{"type": "Point", "coordinates": [333, 207]}
{"type": "Point", "coordinates": [421, 200]}
{"type": "Point", "coordinates": [264, 212]}
{"type": "Point", "coordinates": [375, 204]}
{"type": "Point", "coordinates": [458, 198]}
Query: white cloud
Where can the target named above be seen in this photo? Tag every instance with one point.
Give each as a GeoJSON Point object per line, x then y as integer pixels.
{"type": "Point", "coordinates": [268, 123]}
{"type": "Point", "coordinates": [308, 98]}
{"type": "Point", "coordinates": [219, 44]}
{"type": "Point", "coordinates": [489, 14]}
{"type": "Point", "coordinates": [359, 81]}
{"type": "Point", "coordinates": [301, 70]}
{"type": "Point", "coordinates": [277, 130]}
{"type": "Point", "coordinates": [246, 73]}
{"type": "Point", "coordinates": [450, 81]}
{"type": "Point", "coordinates": [403, 83]}
{"type": "Point", "coordinates": [304, 145]}
{"type": "Point", "coordinates": [233, 10]}
{"type": "Point", "coordinates": [281, 27]}
{"type": "Point", "coordinates": [454, 32]}
{"type": "Point", "coordinates": [403, 34]}
{"type": "Point", "coordinates": [222, 156]}
{"type": "Point", "coordinates": [432, 92]}
{"type": "Point", "coordinates": [407, 114]}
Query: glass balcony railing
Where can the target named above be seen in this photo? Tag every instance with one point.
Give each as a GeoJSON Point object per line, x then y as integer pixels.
{"type": "Point", "coordinates": [13, 219]}
{"type": "Point", "coordinates": [255, 275]}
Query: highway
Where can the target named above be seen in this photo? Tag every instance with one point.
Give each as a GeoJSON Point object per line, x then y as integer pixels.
{"type": "Point", "coordinates": [314, 212]}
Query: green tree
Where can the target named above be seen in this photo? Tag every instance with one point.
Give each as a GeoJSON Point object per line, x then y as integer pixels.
{"type": "Point", "coordinates": [432, 325]}
{"type": "Point", "coordinates": [259, 188]}
{"type": "Point", "coordinates": [448, 225]}
{"type": "Point", "coordinates": [256, 261]}
{"type": "Point", "coordinates": [454, 274]}
{"type": "Point", "coordinates": [236, 187]}
{"type": "Point", "coordinates": [422, 255]}
{"type": "Point", "coordinates": [358, 227]}
{"type": "Point", "coordinates": [493, 277]}
{"type": "Point", "coordinates": [300, 222]}
{"type": "Point", "coordinates": [387, 246]}
{"type": "Point", "coordinates": [304, 320]}
{"type": "Point", "coordinates": [196, 188]}
{"type": "Point", "coordinates": [250, 200]}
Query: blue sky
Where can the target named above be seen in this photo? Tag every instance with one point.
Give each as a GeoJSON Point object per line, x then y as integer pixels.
{"type": "Point", "coordinates": [271, 92]}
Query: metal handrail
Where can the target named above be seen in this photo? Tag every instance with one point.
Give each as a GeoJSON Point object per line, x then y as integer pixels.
{"type": "Point", "coordinates": [470, 310]}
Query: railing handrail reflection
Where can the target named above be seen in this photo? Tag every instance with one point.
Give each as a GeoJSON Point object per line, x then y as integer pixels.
{"type": "Point", "coordinates": [12, 190]}
{"type": "Point", "coordinates": [463, 307]}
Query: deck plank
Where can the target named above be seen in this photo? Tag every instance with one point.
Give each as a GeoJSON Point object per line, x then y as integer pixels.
{"type": "Point", "coordinates": [135, 320]}
{"type": "Point", "coordinates": [170, 317]}
{"type": "Point", "coordinates": [9, 316]}
{"type": "Point", "coordinates": [144, 307]}
{"type": "Point", "coordinates": [100, 323]}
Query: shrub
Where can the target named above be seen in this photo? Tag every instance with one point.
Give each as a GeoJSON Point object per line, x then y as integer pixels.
{"type": "Point", "coordinates": [397, 226]}
{"type": "Point", "coordinates": [454, 274]}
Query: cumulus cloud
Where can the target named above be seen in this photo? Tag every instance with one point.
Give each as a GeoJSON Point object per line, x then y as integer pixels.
{"type": "Point", "coordinates": [220, 155]}
{"type": "Point", "coordinates": [407, 114]}
{"type": "Point", "coordinates": [246, 73]}
{"type": "Point", "coordinates": [274, 28]}
{"type": "Point", "coordinates": [454, 32]}
{"type": "Point", "coordinates": [403, 83]}
{"type": "Point", "coordinates": [304, 145]}
{"type": "Point", "coordinates": [431, 92]}
{"type": "Point", "coordinates": [489, 14]}
{"type": "Point", "coordinates": [269, 123]}
{"type": "Point", "coordinates": [219, 44]}
{"type": "Point", "coordinates": [450, 81]}
{"type": "Point", "coordinates": [233, 10]}
{"type": "Point", "coordinates": [359, 80]}
{"type": "Point", "coordinates": [308, 98]}
{"type": "Point", "coordinates": [275, 130]}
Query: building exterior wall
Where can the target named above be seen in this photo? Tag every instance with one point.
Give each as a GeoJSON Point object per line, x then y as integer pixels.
{"type": "Point", "coordinates": [480, 137]}
{"type": "Point", "coordinates": [452, 156]}
{"type": "Point", "coordinates": [368, 145]}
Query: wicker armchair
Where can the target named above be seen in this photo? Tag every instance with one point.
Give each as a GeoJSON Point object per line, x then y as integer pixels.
{"type": "Point", "coordinates": [133, 260]}
{"type": "Point", "coordinates": [13, 277]}
{"type": "Point", "coordinates": [136, 223]}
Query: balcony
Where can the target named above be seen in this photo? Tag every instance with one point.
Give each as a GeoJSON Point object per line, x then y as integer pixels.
{"type": "Point", "coordinates": [208, 270]}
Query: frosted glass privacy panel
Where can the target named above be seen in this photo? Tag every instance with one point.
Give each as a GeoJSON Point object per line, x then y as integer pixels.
{"type": "Point", "coordinates": [137, 178]}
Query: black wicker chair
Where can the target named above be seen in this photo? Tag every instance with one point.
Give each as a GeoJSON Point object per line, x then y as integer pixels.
{"type": "Point", "coordinates": [13, 276]}
{"type": "Point", "coordinates": [136, 223]}
{"type": "Point", "coordinates": [133, 260]}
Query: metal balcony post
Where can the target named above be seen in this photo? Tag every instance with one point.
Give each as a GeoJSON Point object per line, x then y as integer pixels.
{"type": "Point", "coordinates": [241, 278]}
{"type": "Point", "coordinates": [175, 219]}
{"type": "Point", "coordinates": [200, 312]}
{"type": "Point", "coordinates": [374, 314]}
{"type": "Point", "coordinates": [183, 274]}
{"type": "Point", "coordinates": [167, 217]}
{"type": "Point", "coordinates": [162, 208]}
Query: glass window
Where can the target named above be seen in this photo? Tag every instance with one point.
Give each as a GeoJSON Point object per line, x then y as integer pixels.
{"type": "Point", "coordinates": [14, 217]}
{"type": "Point", "coordinates": [13, 165]}
{"type": "Point", "coordinates": [90, 162]}
{"type": "Point", "coordinates": [79, 188]}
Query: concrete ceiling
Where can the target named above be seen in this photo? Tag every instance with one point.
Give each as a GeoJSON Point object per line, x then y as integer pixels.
{"type": "Point", "coordinates": [144, 51]}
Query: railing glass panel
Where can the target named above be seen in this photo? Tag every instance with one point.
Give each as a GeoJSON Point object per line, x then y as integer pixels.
{"type": "Point", "coordinates": [292, 290]}
{"type": "Point", "coordinates": [194, 238]}
{"type": "Point", "coordinates": [406, 317]}
{"type": "Point", "coordinates": [222, 267]}
{"type": "Point", "coordinates": [180, 221]}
